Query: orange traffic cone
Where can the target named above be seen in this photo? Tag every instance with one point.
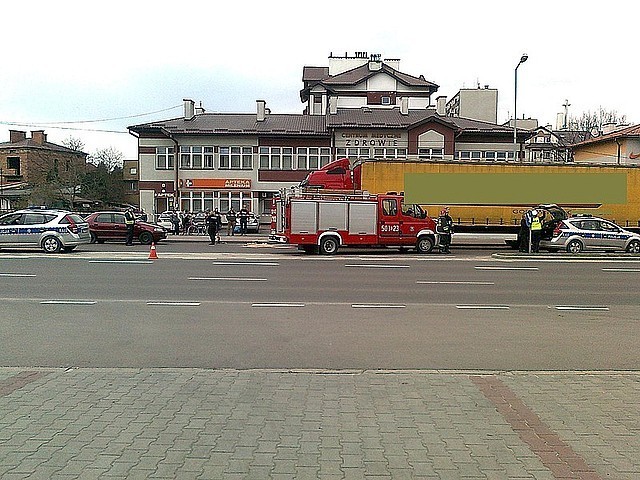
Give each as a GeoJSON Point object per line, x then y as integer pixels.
{"type": "Point", "coordinates": [152, 253]}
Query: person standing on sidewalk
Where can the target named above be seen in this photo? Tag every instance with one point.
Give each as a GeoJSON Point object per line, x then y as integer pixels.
{"type": "Point", "coordinates": [244, 218]}
{"type": "Point", "coordinates": [129, 221]}
{"type": "Point", "coordinates": [231, 221]}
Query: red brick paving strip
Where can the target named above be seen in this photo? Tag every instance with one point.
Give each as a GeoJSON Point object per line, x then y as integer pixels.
{"type": "Point", "coordinates": [18, 381]}
{"type": "Point", "coordinates": [554, 453]}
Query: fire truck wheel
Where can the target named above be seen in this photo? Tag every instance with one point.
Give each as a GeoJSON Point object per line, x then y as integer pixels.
{"type": "Point", "coordinates": [424, 245]}
{"type": "Point", "coordinates": [329, 245]}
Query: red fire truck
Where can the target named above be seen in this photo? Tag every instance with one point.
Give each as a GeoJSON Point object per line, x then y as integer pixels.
{"type": "Point", "coordinates": [324, 221]}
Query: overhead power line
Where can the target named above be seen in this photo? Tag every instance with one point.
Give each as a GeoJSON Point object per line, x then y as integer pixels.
{"type": "Point", "coordinates": [56, 124]}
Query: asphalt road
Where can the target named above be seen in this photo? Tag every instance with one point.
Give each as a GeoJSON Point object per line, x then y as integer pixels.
{"type": "Point", "coordinates": [256, 306]}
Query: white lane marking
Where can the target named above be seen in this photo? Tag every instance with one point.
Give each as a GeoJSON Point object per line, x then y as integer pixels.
{"type": "Point", "coordinates": [504, 268]}
{"type": "Point", "coordinates": [585, 308]}
{"type": "Point", "coordinates": [376, 266]}
{"type": "Point", "coordinates": [426, 282]}
{"type": "Point", "coordinates": [174, 304]}
{"type": "Point", "coordinates": [376, 305]}
{"type": "Point", "coordinates": [482, 307]}
{"type": "Point", "coordinates": [136, 262]}
{"type": "Point", "coordinates": [12, 275]}
{"type": "Point", "coordinates": [621, 269]}
{"type": "Point", "coordinates": [277, 304]}
{"type": "Point", "coordinates": [258, 264]}
{"type": "Point", "coordinates": [68, 302]}
{"type": "Point", "coordinates": [230, 279]}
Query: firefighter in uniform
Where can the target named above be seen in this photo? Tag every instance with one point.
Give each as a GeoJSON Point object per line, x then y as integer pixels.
{"type": "Point", "coordinates": [444, 230]}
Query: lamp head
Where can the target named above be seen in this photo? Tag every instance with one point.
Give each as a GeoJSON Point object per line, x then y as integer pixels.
{"type": "Point", "coordinates": [524, 58]}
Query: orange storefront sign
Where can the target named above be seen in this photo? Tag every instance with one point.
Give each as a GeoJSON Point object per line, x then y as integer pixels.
{"type": "Point", "coordinates": [243, 183]}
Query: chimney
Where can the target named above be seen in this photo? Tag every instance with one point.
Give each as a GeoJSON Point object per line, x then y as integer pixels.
{"type": "Point", "coordinates": [200, 109]}
{"type": "Point", "coordinates": [16, 136]}
{"type": "Point", "coordinates": [38, 136]}
{"type": "Point", "coordinates": [404, 105]}
{"type": "Point", "coordinates": [559, 121]}
{"type": "Point", "coordinates": [261, 110]}
{"type": "Point", "coordinates": [333, 105]}
{"type": "Point", "coordinates": [441, 105]}
{"type": "Point", "coordinates": [189, 108]}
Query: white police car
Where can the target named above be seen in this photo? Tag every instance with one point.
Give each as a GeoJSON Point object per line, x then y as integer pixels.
{"type": "Point", "coordinates": [48, 229]}
{"type": "Point", "coordinates": [585, 232]}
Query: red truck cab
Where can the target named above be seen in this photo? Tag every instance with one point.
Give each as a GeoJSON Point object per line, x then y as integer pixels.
{"type": "Point", "coordinates": [333, 176]}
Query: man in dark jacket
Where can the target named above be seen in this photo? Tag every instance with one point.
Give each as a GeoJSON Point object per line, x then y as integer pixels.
{"type": "Point", "coordinates": [445, 229]}
{"type": "Point", "coordinates": [244, 218]}
{"type": "Point", "coordinates": [212, 221]}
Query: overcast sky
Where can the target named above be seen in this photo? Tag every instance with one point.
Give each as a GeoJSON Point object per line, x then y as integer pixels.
{"type": "Point", "coordinates": [85, 61]}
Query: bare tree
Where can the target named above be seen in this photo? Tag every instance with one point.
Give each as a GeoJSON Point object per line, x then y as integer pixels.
{"type": "Point", "coordinates": [589, 121]}
{"type": "Point", "coordinates": [73, 143]}
{"type": "Point", "coordinates": [110, 157]}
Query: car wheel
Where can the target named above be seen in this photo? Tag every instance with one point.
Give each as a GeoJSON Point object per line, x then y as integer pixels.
{"type": "Point", "coordinates": [51, 245]}
{"type": "Point", "coordinates": [94, 238]}
{"type": "Point", "coordinates": [633, 247]}
{"type": "Point", "coordinates": [146, 238]}
{"type": "Point", "coordinates": [424, 245]}
{"type": "Point", "coordinates": [329, 245]}
{"type": "Point", "coordinates": [574, 246]}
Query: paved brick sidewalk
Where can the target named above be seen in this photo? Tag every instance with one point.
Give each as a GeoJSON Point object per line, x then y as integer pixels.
{"type": "Point", "coordinates": [210, 424]}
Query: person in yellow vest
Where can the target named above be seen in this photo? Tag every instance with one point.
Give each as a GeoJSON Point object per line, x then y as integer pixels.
{"type": "Point", "coordinates": [536, 231]}
{"type": "Point", "coordinates": [129, 220]}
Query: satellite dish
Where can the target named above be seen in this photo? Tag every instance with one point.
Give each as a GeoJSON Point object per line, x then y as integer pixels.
{"type": "Point", "coordinates": [595, 132]}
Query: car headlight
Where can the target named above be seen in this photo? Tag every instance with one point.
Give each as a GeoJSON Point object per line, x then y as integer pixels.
{"type": "Point", "coordinates": [158, 229]}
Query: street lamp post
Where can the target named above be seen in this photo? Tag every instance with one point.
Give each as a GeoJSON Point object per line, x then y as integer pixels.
{"type": "Point", "coordinates": [523, 59]}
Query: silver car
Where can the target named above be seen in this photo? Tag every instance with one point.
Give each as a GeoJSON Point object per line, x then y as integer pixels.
{"type": "Point", "coordinates": [49, 230]}
{"type": "Point", "coordinates": [586, 233]}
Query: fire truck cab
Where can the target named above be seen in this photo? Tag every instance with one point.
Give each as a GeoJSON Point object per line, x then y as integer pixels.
{"type": "Point", "coordinates": [324, 222]}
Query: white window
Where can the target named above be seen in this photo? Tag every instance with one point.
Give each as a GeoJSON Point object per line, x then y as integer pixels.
{"type": "Point", "coordinates": [276, 158]}
{"type": "Point", "coordinates": [209, 161]}
{"type": "Point", "coordinates": [191, 157]}
{"type": "Point", "coordinates": [236, 158]}
{"type": "Point", "coordinates": [133, 171]}
{"type": "Point", "coordinates": [430, 153]}
{"type": "Point", "coordinates": [491, 156]}
{"type": "Point", "coordinates": [313, 158]}
{"type": "Point", "coordinates": [389, 152]}
{"type": "Point", "coordinates": [353, 153]}
{"type": "Point", "coordinates": [386, 100]}
{"type": "Point", "coordinates": [164, 158]}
